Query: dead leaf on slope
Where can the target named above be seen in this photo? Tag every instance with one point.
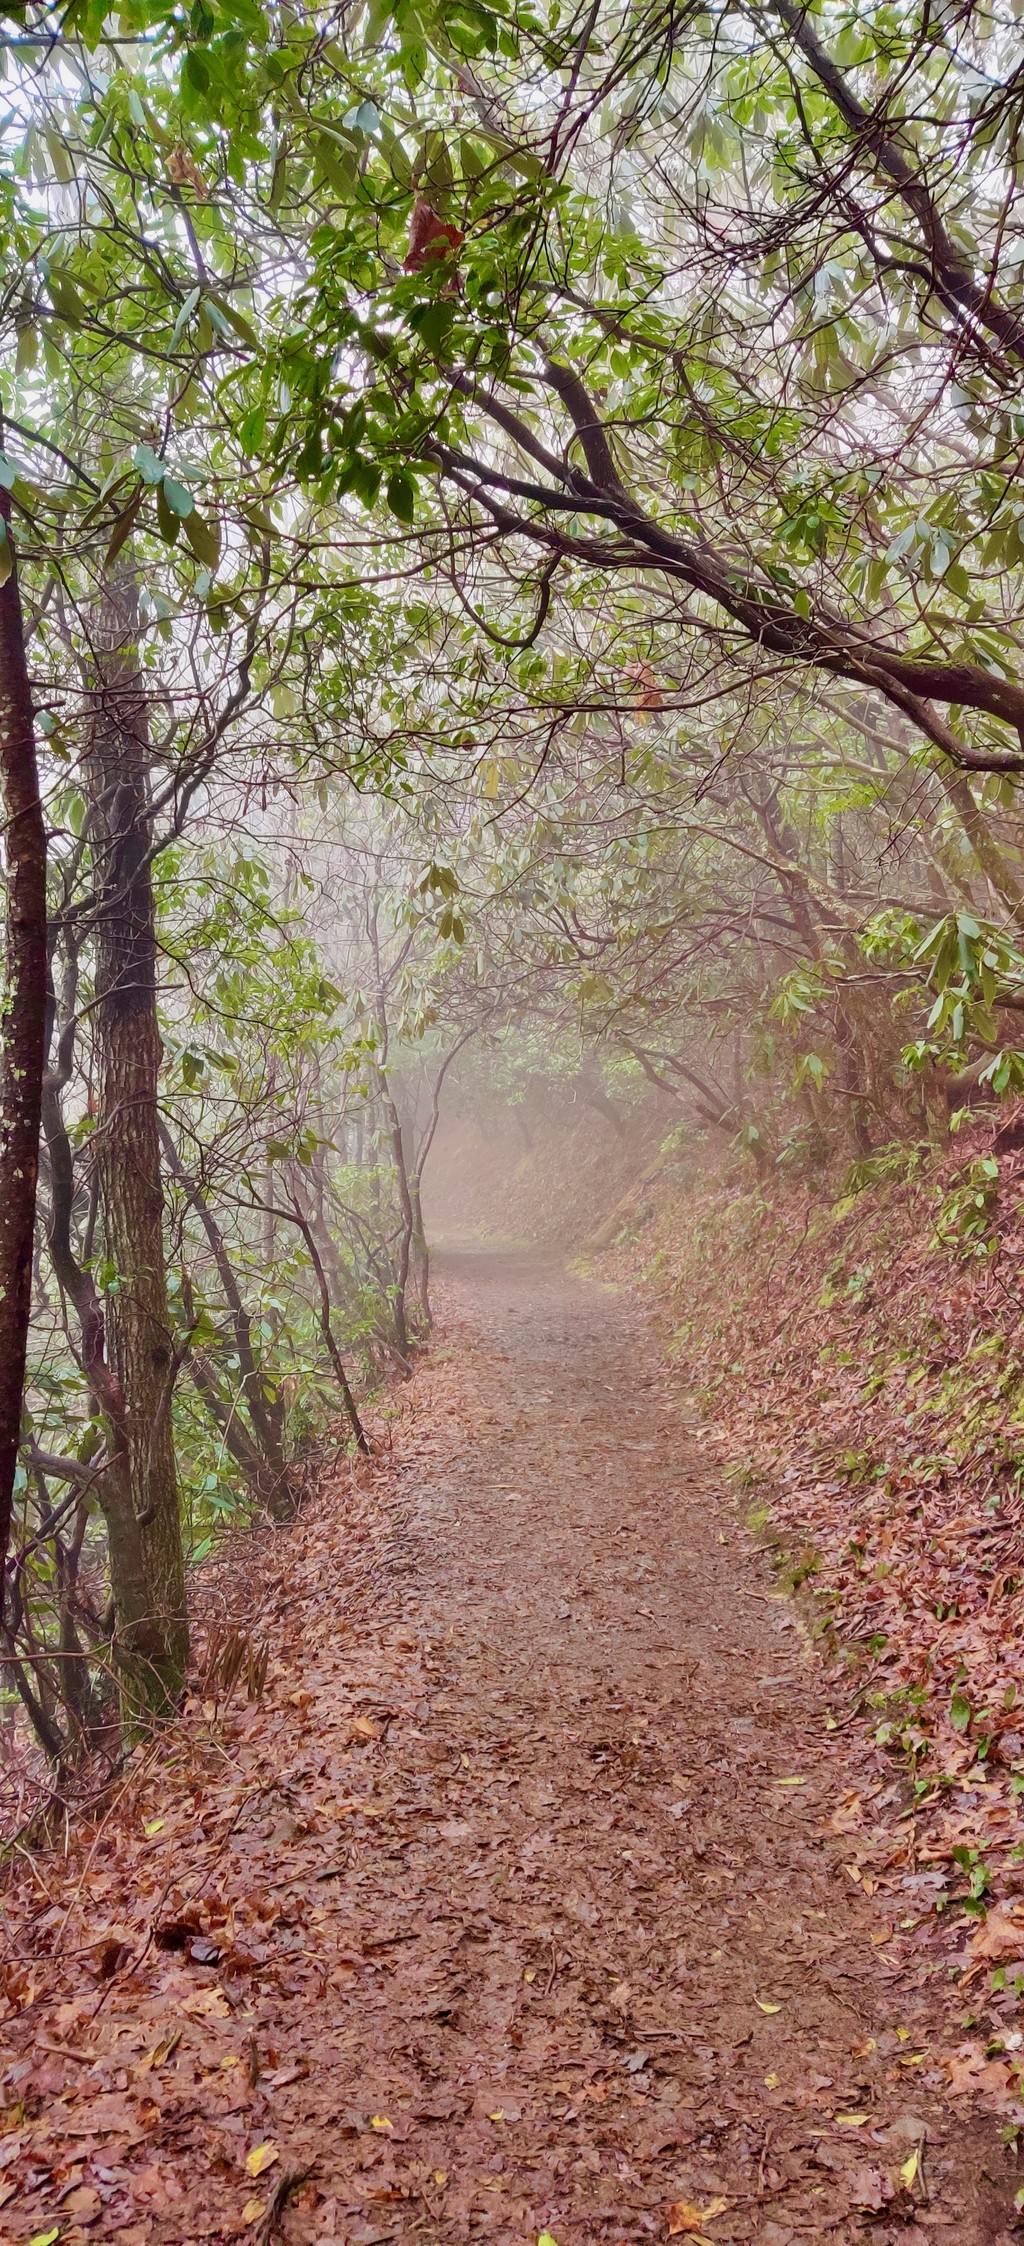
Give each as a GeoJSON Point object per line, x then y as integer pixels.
{"type": "Point", "coordinates": [686, 2219]}
{"type": "Point", "coordinates": [110, 2115]}
{"type": "Point", "coordinates": [261, 2158]}
{"type": "Point", "coordinates": [868, 2190]}
{"type": "Point", "coordinates": [83, 2203]}
{"type": "Point", "coordinates": [207, 2004]}
{"type": "Point", "coordinates": [999, 1940]}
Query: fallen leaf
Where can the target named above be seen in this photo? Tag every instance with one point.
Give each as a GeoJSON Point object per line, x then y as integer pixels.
{"type": "Point", "coordinates": [207, 2004]}
{"type": "Point", "coordinates": [791, 1781]}
{"type": "Point", "coordinates": [867, 2189]}
{"type": "Point", "coordinates": [684, 2217]}
{"type": "Point", "coordinates": [110, 2115]}
{"type": "Point", "coordinates": [850, 2120]}
{"type": "Point", "coordinates": [160, 2052]}
{"type": "Point", "coordinates": [281, 2076]}
{"type": "Point", "coordinates": [882, 1934]}
{"type": "Point", "coordinates": [771, 2082]}
{"type": "Point", "coordinates": [764, 2006]}
{"type": "Point", "coordinates": [380, 2121]}
{"type": "Point", "coordinates": [261, 2158]}
{"type": "Point", "coordinates": [999, 1939]}
{"type": "Point", "coordinates": [155, 1825]}
{"type": "Point", "coordinates": [969, 2074]}
{"type": "Point", "coordinates": [83, 2203]}
{"type": "Point", "coordinates": [546, 2239]}
{"type": "Point", "coordinates": [252, 2210]}
{"type": "Point", "coordinates": [108, 1958]}
{"type": "Point", "coordinates": [909, 2168]}
{"type": "Point", "coordinates": [45, 2237]}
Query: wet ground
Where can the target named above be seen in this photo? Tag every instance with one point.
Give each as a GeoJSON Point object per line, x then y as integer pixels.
{"type": "Point", "coordinates": [523, 1903]}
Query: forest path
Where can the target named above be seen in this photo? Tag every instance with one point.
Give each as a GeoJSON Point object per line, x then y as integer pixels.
{"type": "Point", "coordinates": [514, 1907]}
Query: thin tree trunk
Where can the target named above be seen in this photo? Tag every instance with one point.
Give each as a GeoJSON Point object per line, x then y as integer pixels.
{"type": "Point", "coordinates": [136, 1642]}
{"type": "Point", "coordinates": [420, 1245]}
{"type": "Point", "coordinates": [22, 1027]}
{"type": "Point", "coordinates": [405, 1203]}
{"type": "Point", "coordinates": [997, 870]}
{"type": "Point", "coordinates": [295, 1216]}
{"type": "Point", "coordinates": [264, 1412]}
{"type": "Point", "coordinates": [129, 1052]}
{"type": "Point", "coordinates": [420, 1251]}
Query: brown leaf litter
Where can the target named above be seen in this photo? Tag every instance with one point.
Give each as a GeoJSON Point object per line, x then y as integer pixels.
{"type": "Point", "coordinates": [501, 1914]}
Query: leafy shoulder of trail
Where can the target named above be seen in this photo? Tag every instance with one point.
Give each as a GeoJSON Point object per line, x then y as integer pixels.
{"type": "Point", "coordinates": [856, 1344]}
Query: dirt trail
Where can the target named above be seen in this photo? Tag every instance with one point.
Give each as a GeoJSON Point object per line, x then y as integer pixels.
{"type": "Point", "coordinates": [515, 1917]}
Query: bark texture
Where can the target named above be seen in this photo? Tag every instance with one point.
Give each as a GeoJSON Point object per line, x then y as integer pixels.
{"type": "Point", "coordinates": [128, 1055]}
{"type": "Point", "coordinates": [22, 1026]}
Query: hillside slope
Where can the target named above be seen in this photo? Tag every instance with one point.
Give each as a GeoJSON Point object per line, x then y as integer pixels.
{"type": "Point", "coordinates": [858, 1357]}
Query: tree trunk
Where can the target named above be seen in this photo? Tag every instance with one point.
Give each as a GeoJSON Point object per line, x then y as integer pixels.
{"type": "Point", "coordinates": [128, 1053]}
{"type": "Point", "coordinates": [265, 1412]}
{"type": "Point", "coordinates": [420, 1252]}
{"type": "Point", "coordinates": [407, 1234]}
{"type": "Point", "coordinates": [22, 1027]}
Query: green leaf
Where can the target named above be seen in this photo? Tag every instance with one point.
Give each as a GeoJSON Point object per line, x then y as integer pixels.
{"type": "Point", "coordinates": [252, 430]}
{"type": "Point", "coordinates": [65, 298]}
{"type": "Point", "coordinates": [401, 495]}
{"type": "Point", "coordinates": [337, 162]}
{"type": "Point", "coordinates": [401, 168]}
{"type": "Point", "coordinates": [122, 527]}
{"type": "Point", "coordinates": [59, 156]}
{"type": "Point", "coordinates": [184, 317]}
{"type": "Point", "coordinates": [196, 72]}
{"type": "Point", "coordinates": [236, 319]}
{"type": "Point", "coordinates": [432, 323]}
{"type": "Point", "coordinates": [168, 523]}
{"type": "Point", "coordinates": [204, 538]}
{"type": "Point", "coordinates": [151, 469]}
{"type": "Point", "coordinates": [413, 62]}
{"type": "Point", "coordinates": [959, 1711]}
{"type": "Point", "coordinates": [179, 500]}
{"type": "Point", "coordinates": [6, 554]}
